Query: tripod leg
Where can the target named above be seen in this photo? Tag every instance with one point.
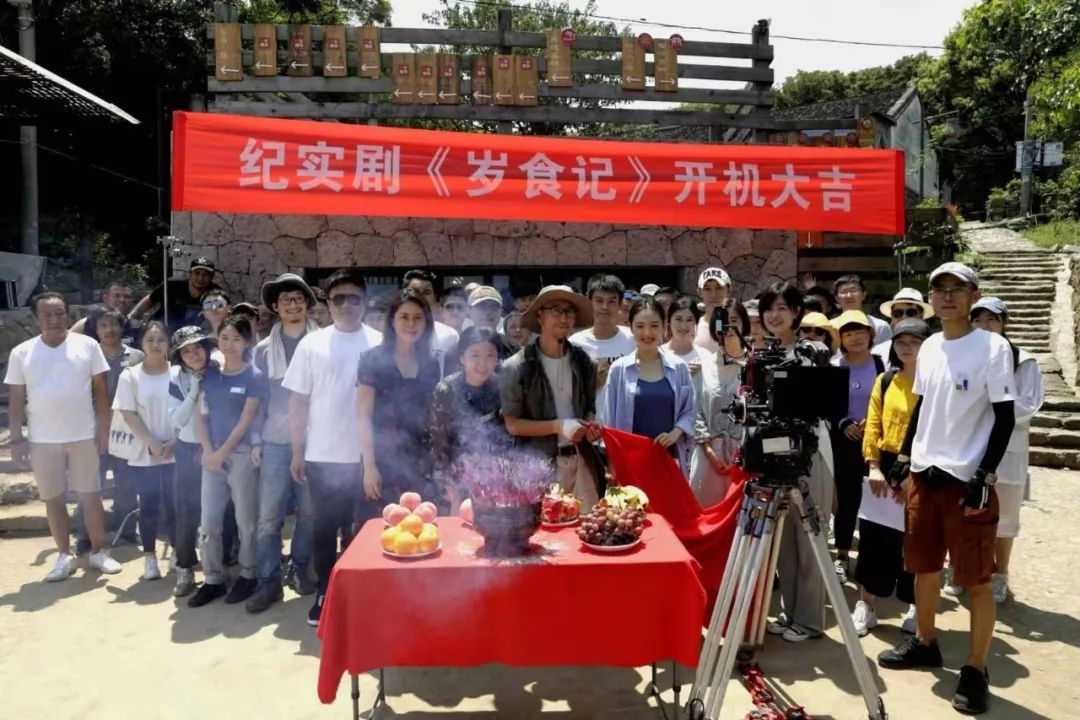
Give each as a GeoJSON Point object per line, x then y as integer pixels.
{"type": "Point", "coordinates": [803, 504]}
{"type": "Point", "coordinates": [770, 575]}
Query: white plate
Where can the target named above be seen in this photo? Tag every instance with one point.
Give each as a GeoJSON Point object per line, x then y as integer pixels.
{"type": "Point", "coordinates": [611, 548]}
{"type": "Point", "coordinates": [567, 523]}
{"type": "Point", "coordinates": [414, 556]}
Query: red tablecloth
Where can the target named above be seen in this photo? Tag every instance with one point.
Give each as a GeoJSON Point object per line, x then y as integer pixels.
{"type": "Point", "coordinates": [458, 609]}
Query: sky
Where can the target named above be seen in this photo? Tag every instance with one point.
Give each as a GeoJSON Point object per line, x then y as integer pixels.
{"type": "Point", "coordinates": [919, 22]}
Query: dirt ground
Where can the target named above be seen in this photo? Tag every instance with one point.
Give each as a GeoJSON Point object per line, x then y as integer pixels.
{"type": "Point", "coordinates": [115, 647]}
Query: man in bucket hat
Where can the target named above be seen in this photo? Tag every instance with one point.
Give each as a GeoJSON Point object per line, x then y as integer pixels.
{"type": "Point", "coordinates": [289, 299]}
{"type": "Point", "coordinates": [548, 389]}
{"type": "Point", "coordinates": [906, 303]}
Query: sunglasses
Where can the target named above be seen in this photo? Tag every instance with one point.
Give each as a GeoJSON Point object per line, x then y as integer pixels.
{"type": "Point", "coordinates": [909, 312]}
{"type": "Point", "coordinates": [217, 304]}
{"type": "Point", "coordinates": [813, 332]}
{"type": "Point", "coordinates": [341, 299]}
{"type": "Point", "coordinates": [454, 307]}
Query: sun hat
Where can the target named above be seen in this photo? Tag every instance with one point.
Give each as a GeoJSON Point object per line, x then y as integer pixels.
{"type": "Point", "coordinates": [853, 317]}
{"type": "Point", "coordinates": [713, 273]}
{"type": "Point", "coordinates": [286, 281]}
{"type": "Point", "coordinates": [957, 270]}
{"type": "Point", "coordinates": [188, 335]}
{"type": "Point", "coordinates": [907, 295]}
{"type": "Point", "coordinates": [202, 263]}
{"type": "Point", "coordinates": [552, 293]}
{"type": "Point", "coordinates": [818, 320]}
{"type": "Point", "coordinates": [993, 304]}
{"type": "Point", "coordinates": [649, 289]}
{"type": "Point", "coordinates": [911, 326]}
{"type": "Point", "coordinates": [484, 293]}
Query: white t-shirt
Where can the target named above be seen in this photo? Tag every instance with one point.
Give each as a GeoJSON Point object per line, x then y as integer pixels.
{"type": "Point", "coordinates": [882, 330]}
{"type": "Point", "coordinates": [147, 395]}
{"type": "Point", "coordinates": [324, 368]}
{"type": "Point", "coordinates": [882, 349]}
{"type": "Point", "coordinates": [704, 338]}
{"type": "Point", "coordinates": [59, 398]}
{"type": "Point", "coordinates": [610, 349]}
{"type": "Point", "coordinates": [958, 380]}
{"type": "Point", "coordinates": [687, 358]}
{"type": "Point", "coordinates": [443, 344]}
{"type": "Point", "coordinates": [561, 378]}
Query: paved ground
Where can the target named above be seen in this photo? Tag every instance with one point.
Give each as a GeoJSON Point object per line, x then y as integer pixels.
{"type": "Point", "coordinates": [983, 238]}
{"type": "Point", "coordinates": [119, 648]}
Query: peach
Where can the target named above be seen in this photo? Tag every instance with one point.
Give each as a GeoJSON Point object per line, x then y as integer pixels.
{"type": "Point", "coordinates": [387, 511]}
{"type": "Point", "coordinates": [396, 515]}
{"type": "Point", "coordinates": [426, 512]}
{"type": "Point", "coordinates": [466, 511]}
{"type": "Point", "coordinates": [411, 500]}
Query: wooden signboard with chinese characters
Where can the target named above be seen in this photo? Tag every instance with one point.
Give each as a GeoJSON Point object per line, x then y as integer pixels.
{"type": "Point", "coordinates": [227, 52]}
{"type": "Point", "coordinates": [264, 50]}
{"type": "Point", "coordinates": [427, 79]}
{"type": "Point", "coordinates": [503, 79]}
{"type": "Point", "coordinates": [482, 88]}
{"type": "Point", "coordinates": [526, 80]}
{"type": "Point", "coordinates": [866, 132]}
{"type": "Point", "coordinates": [367, 46]}
{"type": "Point", "coordinates": [298, 59]}
{"type": "Point", "coordinates": [665, 66]}
{"type": "Point", "coordinates": [559, 59]}
{"type": "Point", "coordinates": [449, 79]}
{"type": "Point", "coordinates": [334, 47]}
{"type": "Point", "coordinates": [633, 65]}
{"type": "Point", "coordinates": [404, 66]}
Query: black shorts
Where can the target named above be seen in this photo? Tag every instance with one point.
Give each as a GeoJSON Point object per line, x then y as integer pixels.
{"type": "Point", "coordinates": [880, 569]}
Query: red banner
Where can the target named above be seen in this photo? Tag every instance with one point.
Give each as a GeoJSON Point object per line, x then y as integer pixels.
{"type": "Point", "coordinates": [229, 163]}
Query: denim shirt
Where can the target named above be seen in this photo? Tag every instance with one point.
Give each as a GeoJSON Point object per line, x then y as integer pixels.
{"type": "Point", "coordinates": [622, 388]}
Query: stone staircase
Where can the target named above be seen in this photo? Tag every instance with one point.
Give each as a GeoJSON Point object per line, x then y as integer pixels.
{"type": "Point", "coordinates": [1027, 281]}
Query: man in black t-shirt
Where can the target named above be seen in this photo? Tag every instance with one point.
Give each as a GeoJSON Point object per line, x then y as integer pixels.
{"type": "Point", "coordinates": [184, 306]}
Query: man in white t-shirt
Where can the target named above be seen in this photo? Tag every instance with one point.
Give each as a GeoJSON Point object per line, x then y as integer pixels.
{"type": "Point", "coordinates": [957, 435]}
{"type": "Point", "coordinates": [59, 377]}
{"type": "Point", "coordinates": [444, 343]}
{"type": "Point", "coordinates": [606, 341]}
{"type": "Point", "coordinates": [323, 419]}
{"type": "Point", "coordinates": [714, 286]}
{"type": "Point", "coordinates": [850, 292]}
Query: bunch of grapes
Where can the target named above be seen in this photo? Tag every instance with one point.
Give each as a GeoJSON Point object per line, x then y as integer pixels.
{"type": "Point", "coordinates": [610, 527]}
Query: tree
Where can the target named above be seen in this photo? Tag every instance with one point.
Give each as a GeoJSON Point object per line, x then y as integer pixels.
{"type": "Point", "coordinates": [813, 86]}
{"type": "Point", "coordinates": [317, 12]}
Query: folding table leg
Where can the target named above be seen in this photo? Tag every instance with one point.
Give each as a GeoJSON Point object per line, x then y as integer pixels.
{"type": "Point", "coordinates": [676, 687]}
{"type": "Point", "coordinates": [355, 696]}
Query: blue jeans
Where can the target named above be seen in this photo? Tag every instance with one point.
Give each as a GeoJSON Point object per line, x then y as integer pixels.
{"type": "Point", "coordinates": [276, 488]}
{"type": "Point", "coordinates": [239, 482]}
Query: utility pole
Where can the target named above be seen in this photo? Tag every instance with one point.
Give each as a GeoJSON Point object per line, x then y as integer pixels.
{"type": "Point", "coordinates": [1027, 161]}
{"type": "Point", "coordinates": [28, 139]}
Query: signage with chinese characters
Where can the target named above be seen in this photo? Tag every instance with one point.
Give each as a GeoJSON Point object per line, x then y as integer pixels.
{"type": "Point", "coordinates": [404, 69]}
{"type": "Point", "coordinates": [449, 79]}
{"type": "Point", "coordinates": [232, 163]}
{"type": "Point", "coordinates": [503, 80]}
{"type": "Point", "coordinates": [264, 50]}
{"type": "Point", "coordinates": [427, 79]}
{"type": "Point", "coordinates": [633, 64]}
{"type": "Point", "coordinates": [526, 82]}
{"type": "Point", "coordinates": [298, 58]}
{"type": "Point", "coordinates": [665, 66]}
{"type": "Point", "coordinates": [227, 52]}
{"type": "Point", "coordinates": [367, 50]}
{"type": "Point", "coordinates": [865, 132]}
{"type": "Point", "coordinates": [559, 59]}
{"type": "Point", "coordinates": [334, 64]}
{"type": "Point", "coordinates": [482, 88]}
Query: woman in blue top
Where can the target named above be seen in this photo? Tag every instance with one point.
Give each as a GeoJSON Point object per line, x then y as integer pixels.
{"type": "Point", "coordinates": [649, 392]}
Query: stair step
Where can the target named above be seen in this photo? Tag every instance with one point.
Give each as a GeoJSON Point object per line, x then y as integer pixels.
{"type": "Point", "coordinates": [1059, 403]}
{"type": "Point", "coordinates": [1055, 437]}
{"type": "Point", "coordinates": [1043, 419]}
{"type": "Point", "coordinates": [1055, 458]}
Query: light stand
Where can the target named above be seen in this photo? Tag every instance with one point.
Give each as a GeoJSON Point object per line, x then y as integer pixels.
{"type": "Point", "coordinates": [170, 247]}
{"type": "Point", "coordinates": [745, 589]}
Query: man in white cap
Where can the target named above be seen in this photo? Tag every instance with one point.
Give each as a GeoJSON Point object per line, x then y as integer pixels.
{"type": "Point", "coordinates": [714, 285]}
{"type": "Point", "coordinates": [907, 303]}
{"type": "Point", "coordinates": [957, 435]}
{"type": "Point", "coordinates": [548, 389]}
{"type": "Point", "coordinates": [485, 311]}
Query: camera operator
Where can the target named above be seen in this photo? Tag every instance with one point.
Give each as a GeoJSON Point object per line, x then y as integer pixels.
{"type": "Point", "coordinates": [802, 589]}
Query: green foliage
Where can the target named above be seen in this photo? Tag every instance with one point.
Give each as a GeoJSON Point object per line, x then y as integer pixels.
{"type": "Point", "coordinates": [1054, 234]}
{"type": "Point", "coordinates": [317, 12]}
{"type": "Point", "coordinates": [814, 86]}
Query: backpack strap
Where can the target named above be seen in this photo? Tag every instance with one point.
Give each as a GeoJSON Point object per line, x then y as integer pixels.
{"type": "Point", "coordinates": [886, 381]}
{"type": "Point", "coordinates": [879, 364]}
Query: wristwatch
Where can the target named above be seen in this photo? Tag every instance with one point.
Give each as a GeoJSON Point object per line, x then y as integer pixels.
{"type": "Point", "coordinates": [987, 478]}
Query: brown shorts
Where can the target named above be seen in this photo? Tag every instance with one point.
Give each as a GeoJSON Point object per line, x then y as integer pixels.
{"type": "Point", "coordinates": [59, 467]}
{"type": "Point", "coordinates": [937, 521]}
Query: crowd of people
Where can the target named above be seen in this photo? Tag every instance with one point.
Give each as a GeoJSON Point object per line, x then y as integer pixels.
{"type": "Point", "coordinates": [216, 420]}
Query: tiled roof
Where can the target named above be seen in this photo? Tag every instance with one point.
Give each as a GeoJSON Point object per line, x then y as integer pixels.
{"type": "Point", "coordinates": [877, 103]}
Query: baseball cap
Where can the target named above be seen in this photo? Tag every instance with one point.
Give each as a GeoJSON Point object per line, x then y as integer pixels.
{"type": "Point", "coordinates": [649, 289]}
{"type": "Point", "coordinates": [484, 293]}
{"type": "Point", "coordinates": [752, 308]}
{"type": "Point", "coordinates": [202, 263]}
{"type": "Point", "coordinates": [911, 326]}
{"type": "Point", "coordinates": [957, 270]}
{"type": "Point", "coordinates": [713, 273]}
{"type": "Point", "coordinates": [993, 304]}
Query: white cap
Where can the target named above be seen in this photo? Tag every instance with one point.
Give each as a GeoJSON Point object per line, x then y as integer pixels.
{"type": "Point", "coordinates": [649, 289]}
{"type": "Point", "coordinates": [713, 273]}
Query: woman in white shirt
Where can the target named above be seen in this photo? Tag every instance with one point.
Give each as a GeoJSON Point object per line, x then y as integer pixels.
{"type": "Point", "coordinates": [682, 321]}
{"type": "Point", "coordinates": [142, 396]}
{"type": "Point", "coordinates": [991, 314]}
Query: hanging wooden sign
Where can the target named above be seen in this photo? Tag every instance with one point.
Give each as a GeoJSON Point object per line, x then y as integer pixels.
{"type": "Point", "coordinates": [449, 79]}
{"type": "Point", "coordinates": [526, 80]}
{"type": "Point", "coordinates": [334, 51]}
{"type": "Point", "coordinates": [404, 65]}
{"type": "Point", "coordinates": [227, 52]}
{"type": "Point", "coordinates": [665, 66]}
{"type": "Point", "coordinates": [503, 80]}
{"type": "Point", "coordinates": [367, 46]}
{"type": "Point", "coordinates": [633, 64]}
{"type": "Point", "coordinates": [298, 58]}
{"type": "Point", "coordinates": [866, 132]}
{"type": "Point", "coordinates": [482, 86]}
{"type": "Point", "coordinates": [264, 50]}
{"type": "Point", "coordinates": [427, 79]}
{"type": "Point", "coordinates": [559, 60]}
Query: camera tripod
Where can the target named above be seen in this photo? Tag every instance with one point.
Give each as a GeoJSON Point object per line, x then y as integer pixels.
{"type": "Point", "coordinates": [746, 592]}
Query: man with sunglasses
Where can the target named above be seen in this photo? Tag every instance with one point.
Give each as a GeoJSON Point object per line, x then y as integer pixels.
{"type": "Point", "coordinates": [958, 433]}
{"type": "Point", "coordinates": [184, 297]}
{"type": "Point", "coordinates": [850, 292]}
{"type": "Point", "coordinates": [323, 425]}
{"type": "Point", "coordinates": [907, 303]}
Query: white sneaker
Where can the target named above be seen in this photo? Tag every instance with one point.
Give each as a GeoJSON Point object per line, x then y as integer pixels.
{"type": "Point", "coordinates": [798, 634]}
{"type": "Point", "coordinates": [1001, 587]}
{"type": "Point", "coordinates": [103, 561]}
{"type": "Point", "coordinates": [864, 617]}
{"type": "Point", "coordinates": [150, 567]}
{"type": "Point", "coordinates": [63, 569]}
{"type": "Point", "coordinates": [908, 624]}
{"type": "Point", "coordinates": [949, 588]}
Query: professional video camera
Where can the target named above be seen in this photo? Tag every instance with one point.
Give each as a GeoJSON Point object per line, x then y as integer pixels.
{"type": "Point", "coordinates": [782, 400]}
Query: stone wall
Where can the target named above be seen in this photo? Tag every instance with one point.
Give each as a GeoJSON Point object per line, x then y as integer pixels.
{"type": "Point", "coordinates": [1072, 374]}
{"type": "Point", "coordinates": [250, 248]}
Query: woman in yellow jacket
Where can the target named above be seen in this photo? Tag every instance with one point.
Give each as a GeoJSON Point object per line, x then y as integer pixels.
{"type": "Point", "coordinates": [880, 570]}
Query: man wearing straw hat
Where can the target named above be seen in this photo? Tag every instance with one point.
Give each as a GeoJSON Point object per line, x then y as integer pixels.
{"type": "Point", "coordinates": [906, 303]}
{"type": "Point", "coordinates": [548, 389]}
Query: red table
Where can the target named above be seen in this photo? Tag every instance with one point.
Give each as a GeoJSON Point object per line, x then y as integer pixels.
{"type": "Point", "coordinates": [461, 609]}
